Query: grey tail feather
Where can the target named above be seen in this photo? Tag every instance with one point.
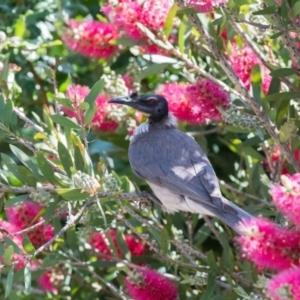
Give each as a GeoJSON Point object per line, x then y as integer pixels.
{"type": "Point", "coordinates": [231, 219]}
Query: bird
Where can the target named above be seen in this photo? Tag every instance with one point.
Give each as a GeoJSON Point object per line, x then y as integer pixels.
{"type": "Point", "coordinates": [174, 165]}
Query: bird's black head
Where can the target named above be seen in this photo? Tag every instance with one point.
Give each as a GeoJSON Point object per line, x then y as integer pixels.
{"type": "Point", "coordinates": [153, 106]}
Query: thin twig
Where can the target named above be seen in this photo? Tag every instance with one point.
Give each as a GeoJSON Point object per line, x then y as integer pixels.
{"type": "Point", "coordinates": [22, 116]}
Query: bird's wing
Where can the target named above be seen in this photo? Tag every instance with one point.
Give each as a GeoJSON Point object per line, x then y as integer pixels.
{"type": "Point", "coordinates": [173, 160]}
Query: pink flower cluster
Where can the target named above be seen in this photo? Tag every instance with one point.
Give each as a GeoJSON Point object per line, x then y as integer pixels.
{"type": "Point", "coordinates": [97, 241]}
{"type": "Point", "coordinates": [127, 13]}
{"type": "Point", "coordinates": [21, 217]}
{"type": "Point", "coordinates": [286, 197]}
{"type": "Point", "coordinates": [195, 103]}
{"type": "Point", "coordinates": [204, 6]}
{"type": "Point", "coordinates": [271, 246]}
{"type": "Point", "coordinates": [91, 38]}
{"type": "Point", "coordinates": [146, 284]}
{"type": "Point", "coordinates": [243, 60]}
{"type": "Point", "coordinates": [101, 121]}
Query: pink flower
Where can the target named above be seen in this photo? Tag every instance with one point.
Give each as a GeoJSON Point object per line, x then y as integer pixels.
{"type": "Point", "coordinates": [126, 13]}
{"type": "Point", "coordinates": [91, 38]}
{"type": "Point", "coordinates": [45, 282]}
{"type": "Point", "coordinates": [97, 241]}
{"type": "Point", "coordinates": [284, 285]}
{"type": "Point", "coordinates": [178, 102]}
{"type": "Point", "coordinates": [204, 6]}
{"type": "Point", "coordinates": [286, 197]}
{"type": "Point", "coordinates": [268, 245]}
{"type": "Point", "coordinates": [206, 97]}
{"type": "Point", "coordinates": [21, 217]}
{"type": "Point", "coordinates": [146, 284]}
{"type": "Point", "coordinates": [101, 119]}
{"type": "Point", "coordinates": [243, 60]}
{"type": "Point", "coordinates": [77, 93]}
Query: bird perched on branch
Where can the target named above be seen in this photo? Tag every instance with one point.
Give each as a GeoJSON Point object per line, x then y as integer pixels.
{"type": "Point", "coordinates": [174, 165]}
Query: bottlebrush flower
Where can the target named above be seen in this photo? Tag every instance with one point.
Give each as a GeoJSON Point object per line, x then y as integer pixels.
{"type": "Point", "coordinates": [97, 241]}
{"type": "Point", "coordinates": [91, 38]}
{"type": "Point", "coordinates": [21, 217]}
{"type": "Point", "coordinates": [204, 6]}
{"type": "Point", "coordinates": [284, 285]}
{"type": "Point", "coordinates": [126, 13]}
{"type": "Point", "coordinates": [206, 97]}
{"type": "Point", "coordinates": [146, 284]}
{"type": "Point", "coordinates": [178, 102]}
{"type": "Point", "coordinates": [286, 196]}
{"type": "Point", "coordinates": [243, 60]}
{"type": "Point", "coordinates": [77, 93]}
{"type": "Point", "coordinates": [46, 282]}
{"type": "Point", "coordinates": [268, 245]}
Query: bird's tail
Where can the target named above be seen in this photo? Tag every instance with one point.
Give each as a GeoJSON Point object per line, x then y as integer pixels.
{"type": "Point", "coordinates": [233, 219]}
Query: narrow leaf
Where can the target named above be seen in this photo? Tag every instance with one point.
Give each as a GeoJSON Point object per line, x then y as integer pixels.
{"type": "Point", "coordinates": [15, 200]}
{"type": "Point", "coordinates": [164, 240]}
{"type": "Point", "coordinates": [73, 194]}
{"type": "Point", "coordinates": [65, 102]}
{"type": "Point", "coordinates": [46, 168]}
{"type": "Point", "coordinates": [94, 92]}
{"type": "Point", "coordinates": [89, 114]}
{"type": "Point", "coordinates": [9, 282]}
{"type": "Point", "coordinates": [65, 158]}
{"type": "Point", "coordinates": [8, 112]}
{"type": "Point", "coordinates": [27, 245]}
{"type": "Point", "coordinates": [296, 9]}
{"type": "Point", "coordinates": [64, 121]}
{"type": "Point", "coordinates": [283, 72]}
{"type": "Point", "coordinates": [27, 278]}
{"type": "Point", "coordinates": [152, 69]}
{"type": "Point", "coordinates": [283, 96]}
{"type": "Point", "coordinates": [26, 176]}
{"type": "Point", "coordinates": [25, 159]}
{"type": "Point", "coordinates": [8, 255]}
{"type": "Point", "coordinates": [170, 18]}
{"type": "Point", "coordinates": [10, 242]}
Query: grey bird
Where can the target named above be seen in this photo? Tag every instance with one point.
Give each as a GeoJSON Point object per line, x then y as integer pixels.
{"type": "Point", "coordinates": [174, 165]}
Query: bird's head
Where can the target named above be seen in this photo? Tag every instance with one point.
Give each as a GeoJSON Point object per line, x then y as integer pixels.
{"type": "Point", "coordinates": [155, 107]}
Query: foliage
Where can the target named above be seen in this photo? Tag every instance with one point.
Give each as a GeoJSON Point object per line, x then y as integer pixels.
{"type": "Point", "coordinates": [73, 223]}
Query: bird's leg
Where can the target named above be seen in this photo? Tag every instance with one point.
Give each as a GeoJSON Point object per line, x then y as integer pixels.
{"type": "Point", "coordinates": [151, 199]}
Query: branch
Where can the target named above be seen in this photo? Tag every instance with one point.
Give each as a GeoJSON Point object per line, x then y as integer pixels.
{"type": "Point", "coordinates": [22, 116]}
{"type": "Point", "coordinates": [258, 109]}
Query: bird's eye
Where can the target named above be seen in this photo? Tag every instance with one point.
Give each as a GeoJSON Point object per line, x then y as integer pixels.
{"type": "Point", "coordinates": [152, 101]}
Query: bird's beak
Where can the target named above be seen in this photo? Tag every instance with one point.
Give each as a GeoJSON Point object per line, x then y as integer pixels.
{"type": "Point", "coordinates": [121, 100]}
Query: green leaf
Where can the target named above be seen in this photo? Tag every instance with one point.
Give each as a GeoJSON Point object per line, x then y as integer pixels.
{"type": "Point", "coordinates": [276, 35]}
{"type": "Point", "coordinates": [122, 244]}
{"type": "Point", "coordinates": [2, 107]}
{"type": "Point", "coordinates": [73, 194]}
{"type": "Point", "coordinates": [125, 42]}
{"type": "Point", "coordinates": [10, 242]}
{"type": "Point", "coordinates": [25, 159]}
{"type": "Point", "coordinates": [152, 69]}
{"type": "Point", "coordinates": [170, 18]}
{"type": "Point", "coordinates": [15, 200]}
{"type": "Point", "coordinates": [283, 96]}
{"type": "Point", "coordinates": [181, 32]}
{"type": "Point", "coordinates": [7, 113]}
{"type": "Point", "coordinates": [84, 106]}
{"type": "Point", "coordinates": [94, 92]}
{"type": "Point", "coordinates": [8, 255]}
{"type": "Point", "coordinates": [186, 11]}
{"type": "Point", "coordinates": [282, 110]}
{"type": "Point", "coordinates": [49, 123]}
{"type": "Point", "coordinates": [9, 282]}
{"type": "Point", "coordinates": [274, 86]}
{"type": "Point", "coordinates": [210, 287]}
{"type": "Point", "coordinates": [5, 70]}
{"type": "Point", "coordinates": [164, 240]}
{"type": "Point", "coordinates": [65, 102]}
{"type": "Point", "coordinates": [27, 278]}
{"type": "Point", "coordinates": [26, 176]}
{"type": "Point", "coordinates": [11, 165]}
{"type": "Point", "coordinates": [286, 130]}
{"type": "Point", "coordinates": [283, 72]}
{"type": "Point", "coordinates": [241, 292]}
{"type": "Point", "coordinates": [27, 245]}
{"type": "Point", "coordinates": [20, 26]}
{"type": "Point", "coordinates": [266, 11]}
{"type": "Point", "coordinates": [65, 158]}
{"type": "Point", "coordinates": [46, 168]}
{"type": "Point", "coordinates": [64, 121]}
{"type": "Point", "coordinates": [78, 159]}
{"type": "Point", "coordinates": [296, 9]}
{"type": "Point", "coordinates": [89, 114]}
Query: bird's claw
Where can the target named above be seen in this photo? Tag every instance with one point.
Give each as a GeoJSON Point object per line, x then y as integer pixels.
{"type": "Point", "coordinates": [150, 200]}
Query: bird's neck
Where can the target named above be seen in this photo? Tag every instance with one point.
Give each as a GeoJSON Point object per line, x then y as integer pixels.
{"type": "Point", "coordinates": [169, 122]}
